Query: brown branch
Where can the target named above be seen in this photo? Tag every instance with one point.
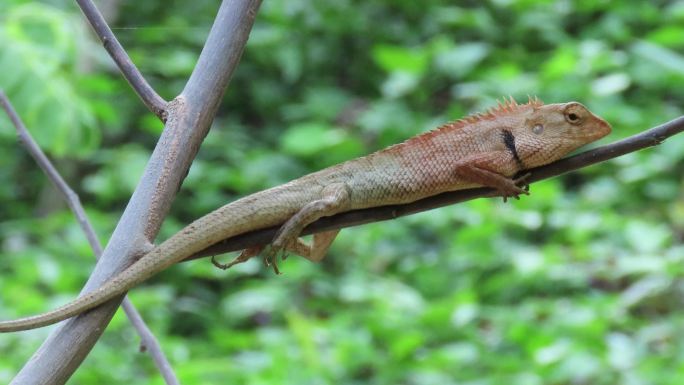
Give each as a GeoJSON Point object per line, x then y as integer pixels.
{"type": "Point", "coordinates": [147, 94]}
{"type": "Point", "coordinates": [651, 137]}
{"type": "Point", "coordinates": [148, 340]}
{"type": "Point", "coordinates": [189, 117]}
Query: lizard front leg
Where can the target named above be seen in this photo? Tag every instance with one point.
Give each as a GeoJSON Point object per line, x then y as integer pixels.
{"type": "Point", "coordinates": [487, 169]}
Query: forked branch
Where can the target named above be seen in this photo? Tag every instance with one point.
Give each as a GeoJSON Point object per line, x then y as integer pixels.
{"type": "Point", "coordinates": [189, 117]}
{"type": "Point", "coordinates": [148, 340]}
{"type": "Point", "coordinates": [147, 94]}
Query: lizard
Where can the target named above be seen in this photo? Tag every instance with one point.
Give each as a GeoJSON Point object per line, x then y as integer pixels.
{"type": "Point", "coordinates": [485, 149]}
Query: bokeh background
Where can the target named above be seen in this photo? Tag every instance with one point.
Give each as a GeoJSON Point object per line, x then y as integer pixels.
{"type": "Point", "coordinates": [580, 283]}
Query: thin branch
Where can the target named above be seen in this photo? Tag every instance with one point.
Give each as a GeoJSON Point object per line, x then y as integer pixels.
{"type": "Point", "coordinates": [190, 115]}
{"type": "Point", "coordinates": [44, 163]}
{"type": "Point", "coordinates": [148, 340]}
{"type": "Point", "coordinates": [147, 94]}
{"type": "Point", "coordinates": [649, 138]}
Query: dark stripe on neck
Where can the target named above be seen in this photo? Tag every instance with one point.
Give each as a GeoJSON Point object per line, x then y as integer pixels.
{"type": "Point", "coordinates": [509, 141]}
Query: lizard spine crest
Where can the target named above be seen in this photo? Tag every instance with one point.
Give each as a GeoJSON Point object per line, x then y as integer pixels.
{"type": "Point", "coordinates": [504, 107]}
{"type": "Point", "coordinates": [507, 106]}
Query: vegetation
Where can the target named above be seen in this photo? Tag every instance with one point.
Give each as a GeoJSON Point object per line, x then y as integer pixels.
{"type": "Point", "coordinates": [580, 283]}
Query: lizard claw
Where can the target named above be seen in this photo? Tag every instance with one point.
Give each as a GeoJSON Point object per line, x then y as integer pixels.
{"type": "Point", "coordinates": [277, 249]}
{"type": "Point", "coordinates": [516, 187]}
{"type": "Point", "coordinates": [271, 254]}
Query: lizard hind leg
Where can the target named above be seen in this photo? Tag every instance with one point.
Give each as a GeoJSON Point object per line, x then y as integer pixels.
{"type": "Point", "coordinates": [314, 252]}
{"type": "Point", "coordinates": [335, 198]}
{"type": "Point", "coordinates": [317, 250]}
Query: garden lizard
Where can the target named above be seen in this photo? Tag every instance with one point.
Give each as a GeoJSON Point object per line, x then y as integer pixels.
{"type": "Point", "coordinates": [485, 149]}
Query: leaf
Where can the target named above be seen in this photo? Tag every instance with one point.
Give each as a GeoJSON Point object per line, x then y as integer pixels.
{"type": "Point", "coordinates": [39, 76]}
{"type": "Point", "coordinates": [397, 58]}
{"type": "Point", "coordinates": [314, 138]}
{"type": "Point", "coordinates": [610, 84]}
{"type": "Point", "coordinates": [647, 237]}
{"type": "Point", "coordinates": [665, 58]}
{"type": "Point", "coordinates": [460, 60]}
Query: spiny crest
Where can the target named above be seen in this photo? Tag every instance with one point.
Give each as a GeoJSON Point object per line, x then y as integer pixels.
{"type": "Point", "coordinates": [503, 107]}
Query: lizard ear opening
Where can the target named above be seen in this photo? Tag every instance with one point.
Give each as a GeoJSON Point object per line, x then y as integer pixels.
{"type": "Point", "coordinates": [538, 128]}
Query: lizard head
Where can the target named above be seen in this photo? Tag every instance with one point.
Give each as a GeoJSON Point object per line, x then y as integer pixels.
{"type": "Point", "coordinates": [559, 129]}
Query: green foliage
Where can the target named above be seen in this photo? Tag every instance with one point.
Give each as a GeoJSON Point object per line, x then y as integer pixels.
{"type": "Point", "coordinates": [580, 283]}
{"type": "Point", "coordinates": [39, 62]}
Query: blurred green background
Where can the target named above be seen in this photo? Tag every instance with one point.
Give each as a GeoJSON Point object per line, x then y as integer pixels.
{"type": "Point", "coordinates": [580, 283]}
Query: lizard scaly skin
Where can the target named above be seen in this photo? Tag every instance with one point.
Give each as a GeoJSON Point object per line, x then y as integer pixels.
{"type": "Point", "coordinates": [480, 150]}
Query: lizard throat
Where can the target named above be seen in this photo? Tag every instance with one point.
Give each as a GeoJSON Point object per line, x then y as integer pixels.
{"type": "Point", "coordinates": [509, 142]}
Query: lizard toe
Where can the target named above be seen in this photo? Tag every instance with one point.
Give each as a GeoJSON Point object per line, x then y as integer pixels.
{"type": "Point", "coordinates": [513, 191]}
{"type": "Point", "coordinates": [270, 256]}
{"type": "Point", "coordinates": [244, 256]}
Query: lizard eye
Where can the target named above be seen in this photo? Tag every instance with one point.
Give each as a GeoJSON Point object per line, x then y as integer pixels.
{"type": "Point", "coordinates": [573, 114]}
{"type": "Point", "coordinates": [538, 129]}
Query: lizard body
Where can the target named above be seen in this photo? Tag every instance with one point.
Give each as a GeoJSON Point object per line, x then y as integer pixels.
{"type": "Point", "coordinates": [481, 150]}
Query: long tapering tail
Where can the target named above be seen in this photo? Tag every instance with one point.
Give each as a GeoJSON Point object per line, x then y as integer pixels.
{"type": "Point", "coordinates": [263, 209]}
{"type": "Point", "coordinates": [109, 290]}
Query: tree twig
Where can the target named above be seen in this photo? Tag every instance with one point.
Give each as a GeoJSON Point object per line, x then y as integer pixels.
{"type": "Point", "coordinates": [648, 138]}
{"type": "Point", "coordinates": [147, 94]}
{"type": "Point", "coordinates": [148, 340]}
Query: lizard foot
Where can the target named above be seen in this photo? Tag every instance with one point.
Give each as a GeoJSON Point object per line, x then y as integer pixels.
{"type": "Point", "coordinates": [515, 187]}
{"type": "Point", "coordinates": [271, 254]}
{"type": "Point", "coordinates": [244, 256]}
{"type": "Point", "coordinates": [224, 266]}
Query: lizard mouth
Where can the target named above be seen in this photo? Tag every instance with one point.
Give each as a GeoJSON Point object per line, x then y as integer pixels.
{"type": "Point", "coordinates": [602, 128]}
{"type": "Point", "coordinates": [605, 128]}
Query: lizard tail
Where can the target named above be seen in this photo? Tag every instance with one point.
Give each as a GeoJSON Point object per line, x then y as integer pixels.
{"type": "Point", "coordinates": [235, 218]}
{"type": "Point", "coordinates": [114, 287]}
{"type": "Point", "coordinates": [173, 250]}
{"type": "Point", "coordinates": [71, 309]}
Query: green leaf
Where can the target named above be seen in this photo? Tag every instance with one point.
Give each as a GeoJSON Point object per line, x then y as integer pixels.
{"type": "Point", "coordinates": [40, 77]}
{"type": "Point", "coordinates": [318, 139]}
{"type": "Point", "coordinates": [665, 58]}
{"type": "Point", "coordinates": [462, 58]}
{"type": "Point", "coordinates": [397, 58]}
